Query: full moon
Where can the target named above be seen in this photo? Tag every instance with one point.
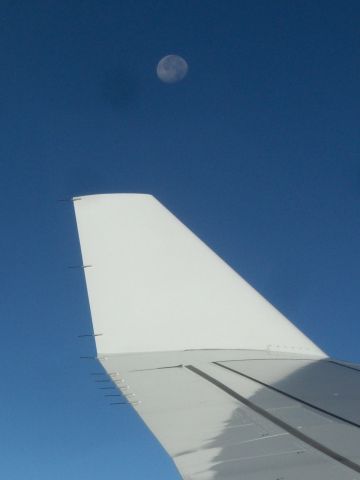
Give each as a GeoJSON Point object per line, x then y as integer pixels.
{"type": "Point", "coordinates": [172, 69]}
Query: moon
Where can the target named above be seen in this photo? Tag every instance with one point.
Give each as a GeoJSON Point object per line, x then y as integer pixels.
{"type": "Point", "coordinates": [172, 69]}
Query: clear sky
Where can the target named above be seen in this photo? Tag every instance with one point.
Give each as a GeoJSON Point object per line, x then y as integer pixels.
{"type": "Point", "coordinates": [257, 150]}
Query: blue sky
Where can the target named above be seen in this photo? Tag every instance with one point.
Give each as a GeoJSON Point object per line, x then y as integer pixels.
{"type": "Point", "coordinates": [257, 151]}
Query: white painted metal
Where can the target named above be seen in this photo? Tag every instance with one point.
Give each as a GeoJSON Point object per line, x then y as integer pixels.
{"type": "Point", "coordinates": [154, 286]}
{"type": "Point", "coordinates": [323, 384]}
{"type": "Point", "coordinates": [326, 429]}
{"type": "Point", "coordinates": [212, 436]}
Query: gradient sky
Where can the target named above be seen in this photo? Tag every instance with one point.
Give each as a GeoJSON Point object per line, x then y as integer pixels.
{"type": "Point", "coordinates": [257, 151]}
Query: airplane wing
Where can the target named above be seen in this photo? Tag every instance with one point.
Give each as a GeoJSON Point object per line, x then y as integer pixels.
{"type": "Point", "coordinates": [228, 385]}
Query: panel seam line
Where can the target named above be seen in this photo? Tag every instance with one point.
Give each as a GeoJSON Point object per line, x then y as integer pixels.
{"type": "Point", "coordinates": [275, 420]}
{"type": "Point", "coordinates": [293, 397]}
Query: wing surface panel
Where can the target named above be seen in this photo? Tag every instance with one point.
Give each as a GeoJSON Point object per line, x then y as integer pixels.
{"type": "Point", "coordinates": [330, 432]}
{"type": "Point", "coordinates": [212, 435]}
{"type": "Point", "coordinates": [325, 385]}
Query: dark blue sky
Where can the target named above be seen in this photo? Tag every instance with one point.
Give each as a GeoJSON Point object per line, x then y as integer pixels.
{"type": "Point", "coordinates": [257, 151]}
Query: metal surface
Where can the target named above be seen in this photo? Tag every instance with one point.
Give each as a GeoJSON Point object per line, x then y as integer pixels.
{"type": "Point", "coordinates": [323, 385]}
{"type": "Point", "coordinates": [231, 427]}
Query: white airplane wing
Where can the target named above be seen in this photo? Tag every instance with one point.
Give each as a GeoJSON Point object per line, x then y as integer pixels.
{"type": "Point", "coordinates": [228, 385]}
